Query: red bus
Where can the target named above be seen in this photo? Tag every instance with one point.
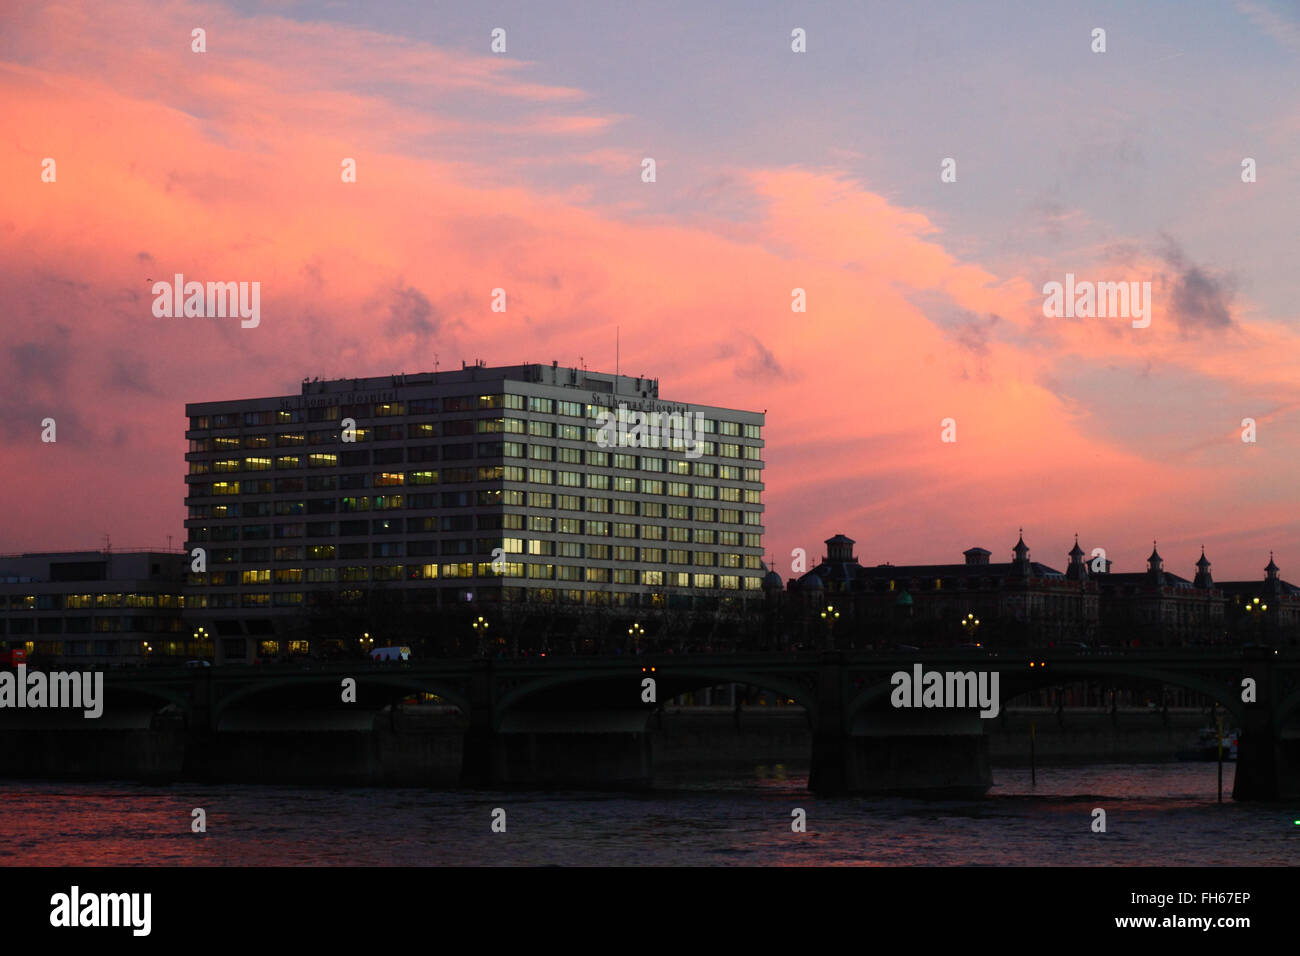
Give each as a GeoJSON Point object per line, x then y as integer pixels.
{"type": "Point", "coordinates": [12, 656]}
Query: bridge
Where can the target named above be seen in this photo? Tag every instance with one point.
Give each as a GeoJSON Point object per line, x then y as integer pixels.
{"type": "Point", "coordinates": [584, 721]}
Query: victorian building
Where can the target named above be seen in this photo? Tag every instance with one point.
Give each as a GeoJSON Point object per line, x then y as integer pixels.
{"type": "Point", "coordinates": [1021, 602]}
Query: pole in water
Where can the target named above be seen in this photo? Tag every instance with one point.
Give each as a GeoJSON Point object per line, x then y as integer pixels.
{"type": "Point", "coordinates": [1033, 768]}
{"type": "Point", "coordinates": [1219, 723]}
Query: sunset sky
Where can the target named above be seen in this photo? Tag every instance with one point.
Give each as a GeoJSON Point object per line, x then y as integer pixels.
{"type": "Point", "coordinates": [775, 170]}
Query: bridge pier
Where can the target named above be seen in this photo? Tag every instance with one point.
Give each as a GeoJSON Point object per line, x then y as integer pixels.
{"type": "Point", "coordinates": [593, 749]}
{"type": "Point", "coordinates": [935, 753]}
{"type": "Point", "coordinates": [892, 751]}
{"type": "Point", "coordinates": [478, 755]}
{"type": "Point", "coordinates": [828, 773]}
{"type": "Point", "coordinates": [1268, 758]}
{"type": "Point", "coordinates": [588, 749]}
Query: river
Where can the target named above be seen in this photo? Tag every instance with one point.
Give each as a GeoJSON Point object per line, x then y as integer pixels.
{"type": "Point", "coordinates": [1161, 814]}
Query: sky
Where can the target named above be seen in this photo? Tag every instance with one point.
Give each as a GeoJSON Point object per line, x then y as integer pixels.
{"type": "Point", "coordinates": [775, 170]}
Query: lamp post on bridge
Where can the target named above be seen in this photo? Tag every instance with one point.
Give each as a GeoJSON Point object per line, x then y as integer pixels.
{"type": "Point", "coordinates": [480, 637]}
{"type": "Point", "coordinates": [830, 616]}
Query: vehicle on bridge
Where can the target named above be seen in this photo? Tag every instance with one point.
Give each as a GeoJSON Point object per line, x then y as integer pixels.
{"type": "Point", "coordinates": [391, 654]}
{"type": "Point", "coordinates": [13, 656]}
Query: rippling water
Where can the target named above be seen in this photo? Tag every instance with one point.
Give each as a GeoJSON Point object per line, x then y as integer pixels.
{"type": "Point", "coordinates": [1157, 814]}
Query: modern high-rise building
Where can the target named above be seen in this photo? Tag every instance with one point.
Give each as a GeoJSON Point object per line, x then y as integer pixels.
{"type": "Point", "coordinates": [478, 486]}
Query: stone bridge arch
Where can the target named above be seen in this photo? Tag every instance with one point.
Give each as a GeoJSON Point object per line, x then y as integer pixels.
{"type": "Point", "coordinates": [1020, 679]}
{"type": "Point", "coordinates": [399, 684]}
{"type": "Point", "coordinates": [693, 677]}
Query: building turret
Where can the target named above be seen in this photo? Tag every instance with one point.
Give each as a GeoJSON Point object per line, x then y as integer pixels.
{"type": "Point", "coordinates": [1203, 578]}
{"type": "Point", "coordinates": [1272, 583]}
{"type": "Point", "coordinates": [1155, 567]}
{"type": "Point", "coordinates": [1021, 552]}
{"type": "Point", "coordinates": [839, 549]}
{"type": "Point", "coordinates": [1077, 571]}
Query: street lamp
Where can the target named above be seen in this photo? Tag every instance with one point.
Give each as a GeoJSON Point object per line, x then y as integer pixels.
{"type": "Point", "coordinates": [200, 638]}
{"type": "Point", "coordinates": [970, 624]}
{"type": "Point", "coordinates": [367, 642]}
{"type": "Point", "coordinates": [636, 632]}
{"type": "Point", "coordinates": [830, 615]}
{"type": "Point", "coordinates": [480, 632]}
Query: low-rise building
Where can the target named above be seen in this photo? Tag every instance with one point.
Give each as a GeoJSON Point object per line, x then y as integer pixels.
{"type": "Point", "coordinates": [94, 608]}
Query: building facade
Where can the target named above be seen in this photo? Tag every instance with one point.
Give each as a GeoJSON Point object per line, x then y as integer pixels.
{"type": "Point", "coordinates": [95, 608]}
{"type": "Point", "coordinates": [479, 487]}
{"type": "Point", "coordinates": [1025, 603]}
{"type": "Point", "coordinates": [1011, 603]}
